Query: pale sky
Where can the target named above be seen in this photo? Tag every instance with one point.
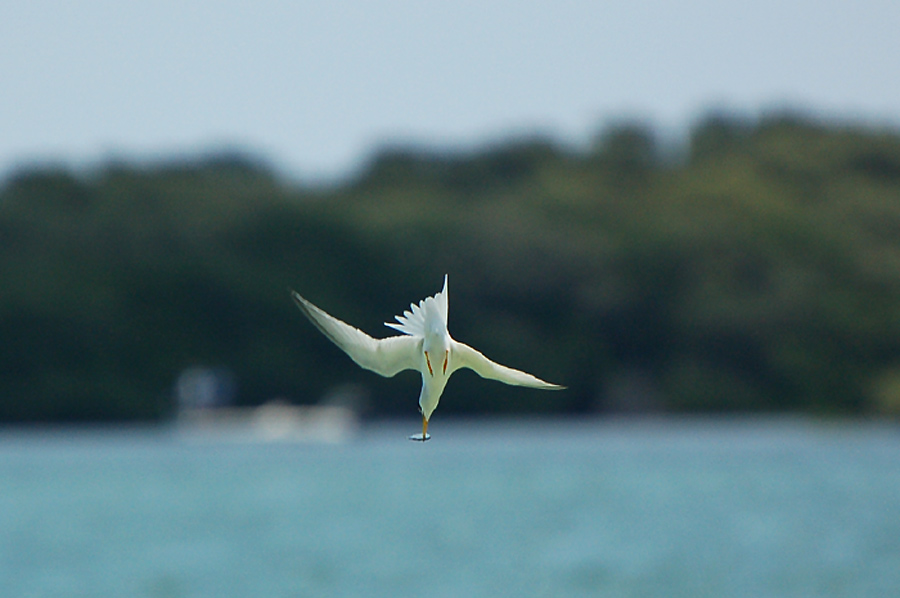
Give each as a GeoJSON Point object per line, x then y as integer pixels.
{"type": "Point", "coordinates": [315, 87]}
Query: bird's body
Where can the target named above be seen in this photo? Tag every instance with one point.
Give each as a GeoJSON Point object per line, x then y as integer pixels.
{"type": "Point", "coordinates": [425, 346]}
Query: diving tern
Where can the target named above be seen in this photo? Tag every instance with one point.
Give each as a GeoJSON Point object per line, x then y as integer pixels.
{"type": "Point", "coordinates": [425, 346]}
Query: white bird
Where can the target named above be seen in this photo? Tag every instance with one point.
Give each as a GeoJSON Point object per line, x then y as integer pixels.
{"type": "Point", "coordinates": [425, 346]}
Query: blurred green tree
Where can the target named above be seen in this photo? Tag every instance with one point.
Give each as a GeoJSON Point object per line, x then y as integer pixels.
{"type": "Point", "coordinates": [760, 272]}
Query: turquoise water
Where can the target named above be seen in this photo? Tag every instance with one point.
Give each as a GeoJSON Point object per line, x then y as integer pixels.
{"type": "Point", "coordinates": [627, 508]}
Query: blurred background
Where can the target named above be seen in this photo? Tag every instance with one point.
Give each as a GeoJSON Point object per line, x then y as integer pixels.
{"type": "Point", "coordinates": [684, 211]}
{"type": "Point", "coordinates": [666, 209]}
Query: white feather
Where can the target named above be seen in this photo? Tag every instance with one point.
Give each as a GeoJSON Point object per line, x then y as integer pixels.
{"type": "Point", "coordinates": [386, 356]}
{"type": "Point", "coordinates": [467, 357]}
{"type": "Point", "coordinates": [428, 312]}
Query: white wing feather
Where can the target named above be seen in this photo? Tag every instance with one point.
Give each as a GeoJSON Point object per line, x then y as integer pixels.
{"type": "Point", "coordinates": [413, 320]}
{"type": "Point", "coordinates": [385, 356]}
{"type": "Point", "coordinates": [465, 356]}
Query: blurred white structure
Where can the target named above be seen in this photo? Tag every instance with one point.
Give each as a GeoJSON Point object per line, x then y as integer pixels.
{"type": "Point", "coordinates": [275, 421]}
{"type": "Point", "coordinates": [206, 395]}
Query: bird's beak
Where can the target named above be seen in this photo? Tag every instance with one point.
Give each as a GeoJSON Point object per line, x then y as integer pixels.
{"type": "Point", "coordinates": [424, 435]}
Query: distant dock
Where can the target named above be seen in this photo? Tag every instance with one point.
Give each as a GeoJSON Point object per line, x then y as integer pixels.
{"type": "Point", "coordinates": [275, 421]}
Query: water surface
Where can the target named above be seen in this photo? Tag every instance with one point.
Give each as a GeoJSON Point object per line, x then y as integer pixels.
{"type": "Point", "coordinates": [621, 508]}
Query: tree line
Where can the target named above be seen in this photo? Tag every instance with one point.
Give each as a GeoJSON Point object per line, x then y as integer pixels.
{"type": "Point", "coordinates": [755, 269]}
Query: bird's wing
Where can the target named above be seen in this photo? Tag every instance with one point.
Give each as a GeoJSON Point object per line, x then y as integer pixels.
{"type": "Point", "coordinates": [465, 356]}
{"type": "Point", "coordinates": [385, 356]}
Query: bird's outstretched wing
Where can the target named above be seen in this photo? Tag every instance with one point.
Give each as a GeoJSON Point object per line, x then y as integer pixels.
{"type": "Point", "coordinates": [467, 357]}
{"type": "Point", "coordinates": [385, 356]}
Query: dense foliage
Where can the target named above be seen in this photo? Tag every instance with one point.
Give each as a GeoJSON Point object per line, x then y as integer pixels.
{"type": "Point", "coordinates": [760, 270]}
